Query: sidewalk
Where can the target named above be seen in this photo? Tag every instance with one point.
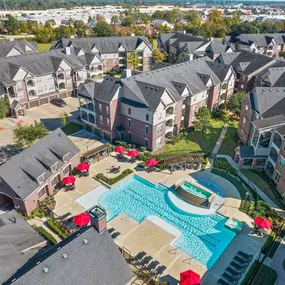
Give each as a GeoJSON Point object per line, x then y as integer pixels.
{"type": "Point", "coordinates": [277, 264]}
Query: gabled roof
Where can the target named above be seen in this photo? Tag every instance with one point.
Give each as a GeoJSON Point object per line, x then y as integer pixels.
{"type": "Point", "coordinates": [22, 171]}
{"type": "Point", "coordinates": [86, 258]}
{"type": "Point", "coordinates": [17, 239]}
{"type": "Point", "coordinates": [21, 46]}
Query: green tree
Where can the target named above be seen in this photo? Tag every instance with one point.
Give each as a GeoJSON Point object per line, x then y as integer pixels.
{"type": "Point", "coordinates": [12, 25]}
{"type": "Point", "coordinates": [134, 60]}
{"type": "Point", "coordinates": [25, 136]}
{"type": "Point", "coordinates": [80, 28]}
{"type": "Point", "coordinates": [235, 102]}
{"type": "Point", "coordinates": [4, 107]}
{"type": "Point", "coordinates": [178, 26]}
{"type": "Point", "coordinates": [158, 15]}
{"type": "Point", "coordinates": [245, 28]}
{"type": "Point", "coordinates": [203, 119]}
{"type": "Point", "coordinates": [64, 119]}
{"type": "Point", "coordinates": [24, 27]}
{"type": "Point", "coordinates": [102, 29]}
{"type": "Point", "coordinates": [44, 35]}
{"type": "Point", "coordinates": [127, 21]}
{"type": "Point", "coordinates": [115, 20]}
{"type": "Point", "coordinates": [193, 18]}
{"type": "Point", "coordinates": [158, 55]}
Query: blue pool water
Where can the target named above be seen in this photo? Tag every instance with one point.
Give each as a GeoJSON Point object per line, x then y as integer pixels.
{"type": "Point", "coordinates": [203, 237]}
{"type": "Point", "coordinates": [211, 185]}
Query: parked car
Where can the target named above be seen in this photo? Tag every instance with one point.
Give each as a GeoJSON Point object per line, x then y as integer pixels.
{"type": "Point", "coordinates": [58, 102]}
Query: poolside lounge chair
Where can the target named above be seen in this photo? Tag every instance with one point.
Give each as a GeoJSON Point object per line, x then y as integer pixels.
{"type": "Point", "coordinates": [245, 255]}
{"type": "Point", "coordinates": [234, 272]}
{"type": "Point", "coordinates": [241, 261]}
{"type": "Point", "coordinates": [222, 282]}
{"type": "Point", "coordinates": [238, 267]}
{"type": "Point", "coordinates": [232, 280]}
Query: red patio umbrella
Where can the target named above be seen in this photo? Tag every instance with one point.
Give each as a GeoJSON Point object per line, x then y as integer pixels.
{"type": "Point", "coordinates": [120, 149]}
{"type": "Point", "coordinates": [151, 162]}
{"type": "Point", "coordinates": [68, 180]}
{"type": "Point", "coordinates": [133, 153]}
{"type": "Point", "coordinates": [83, 166]}
{"type": "Point", "coordinates": [262, 223]}
{"type": "Point", "coordinates": [81, 220]}
{"type": "Point", "coordinates": [189, 277]}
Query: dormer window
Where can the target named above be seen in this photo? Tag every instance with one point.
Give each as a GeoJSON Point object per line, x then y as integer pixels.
{"type": "Point", "coordinates": [54, 168]}
{"type": "Point", "coordinates": [66, 158]}
{"type": "Point", "coordinates": [41, 179]}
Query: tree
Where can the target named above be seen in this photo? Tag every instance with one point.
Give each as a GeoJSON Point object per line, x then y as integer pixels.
{"type": "Point", "coordinates": [102, 29]}
{"type": "Point", "coordinates": [235, 102]}
{"type": "Point", "coordinates": [44, 35]}
{"type": "Point", "coordinates": [12, 25]}
{"type": "Point", "coordinates": [64, 119]}
{"type": "Point", "coordinates": [115, 20]}
{"type": "Point", "coordinates": [80, 28]}
{"type": "Point", "coordinates": [245, 28]}
{"type": "Point", "coordinates": [134, 60]}
{"type": "Point", "coordinates": [158, 15]}
{"type": "Point", "coordinates": [25, 136]}
{"type": "Point", "coordinates": [193, 18]}
{"type": "Point", "coordinates": [158, 56]}
{"type": "Point", "coordinates": [203, 119]}
{"type": "Point", "coordinates": [4, 107]}
{"type": "Point", "coordinates": [178, 27]}
{"type": "Point", "coordinates": [24, 27]}
{"type": "Point", "coordinates": [127, 21]}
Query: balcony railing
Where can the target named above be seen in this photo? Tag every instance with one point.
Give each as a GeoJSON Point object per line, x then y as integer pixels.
{"type": "Point", "coordinates": [88, 106]}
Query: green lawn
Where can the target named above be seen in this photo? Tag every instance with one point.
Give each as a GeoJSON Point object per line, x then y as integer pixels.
{"type": "Point", "coordinates": [265, 184]}
{"type": "Point", "coordinates": [44, 47]}
{"type": "Point", "coordinates": [71, 128]}
{"type": "Point", "coordinates": [198, 141]}
{"type": "Point", "coordinates": [154, 43]}
{"type": "Point", "coordinates": [229, 143]}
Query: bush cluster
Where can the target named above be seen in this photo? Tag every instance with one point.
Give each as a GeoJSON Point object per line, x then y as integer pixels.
{"type": "Point", "coordinates": [113, 180]}
{"type": "Point", "coordinates": [223, 164]}
{"type": "Point", "coordinates": [57, 228]}
{"type": "Point", "coordinates": [46, 235]}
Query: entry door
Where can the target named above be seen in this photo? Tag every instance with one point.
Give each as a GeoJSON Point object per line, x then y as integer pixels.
{"type": "Point", "coordinates": [122, 136]}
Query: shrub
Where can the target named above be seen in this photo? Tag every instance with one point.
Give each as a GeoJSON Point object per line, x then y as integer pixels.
{"type": "Point", "coordinates": [143, 157]}
{"type": "Point", "coordinates": [37, 213]}
{"type": "Point", "coordinates": [57, 228]}
{"type": "Point", "coordinates": [143, 149]}
{"type": "Point", "coordinates": [222, 163]}
{"type": "Point", "coordinates": [46, 235]}
{"type": "Point", "coordinates": [113, 180]}
{"type": "Point", "coordinates": [175, 139]}
{"type": "Point", "coordinates": [75, 171]}
{"type": "Point", "coordinates": [124, 144]}
{"type": "Point", "coordinates": [48, 204]}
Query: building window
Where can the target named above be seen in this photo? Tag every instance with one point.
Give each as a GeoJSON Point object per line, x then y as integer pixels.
{"type": "Point", "coordinates": [101, 119]}
{"type": "Point", "coordinates": [241, 87]}
{"type": "Point", "coordinates": [158, 142]}
{"type": "Point", "coordinates": [193, 110]}
{"type": "Point", "coordinates": [107, 109]}
{"type": "Point", "coordinates": [114, 61]}
{"type": "Point", "coordinates": [129, 111]}
{"type": "Point", "coordinates": [159, 129]}
{"type": "Point", "coordinates": [41, 178]}
{"type": "Point", "coordinates": [146, 130]}
{"type": "Point", "coordinates": [159, 116]}
{"type": "Point", "coordinates": [42, 192]}
{"type": "Point", "coordinates": [277, 176]}
{"type": "Point", "coordinates": [147, 117]}
{"type": "Point", "coordinates": [281, 161]}
{"type": "Point", "coordinates": [129, 135]}
{"type": "Point", "coordinates": [129, 123]}
{"type": "Point", "coordinates": [66, 157]}
{"type": "Point", "coordinates": [244, 120]}
{"type": "Point", "coordinates": [108, 122]}
{"type": "Point", "coordinates": [100, 107]}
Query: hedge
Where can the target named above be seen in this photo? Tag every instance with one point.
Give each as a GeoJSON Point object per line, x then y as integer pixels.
{"type": "Point", "coordinates": [223, 164]}
{"type": "Point", "coordinates": [114, 180]}
{"type": "Point", "coordinates": [53, 225]}
{"type": "Point", "coordinates": [46, 235]}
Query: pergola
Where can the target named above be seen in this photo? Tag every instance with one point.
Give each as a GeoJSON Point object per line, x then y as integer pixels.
{"type": "Point", "coordinates": [96, 154]}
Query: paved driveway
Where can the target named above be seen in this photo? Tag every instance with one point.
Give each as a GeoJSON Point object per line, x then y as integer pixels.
{"type": "Point", "coordinates": [51, 115]}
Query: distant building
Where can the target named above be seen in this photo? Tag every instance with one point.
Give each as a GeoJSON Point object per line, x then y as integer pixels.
{"type": "Point", "coordinates": [86, 258]}
{"type": "Point", "coordinates": [149, 108]}
{"type": "Point", "coordinates": [33, 174]}
{"type": "Point", "coordinates": [12, 48]}
{"type": "Point", "coordinates": [262, 130]}
{"type": "Point", "coordinates": [158, 22]}
{"type": "Point", "coordinates": [18, 243]}
{"type": "Point", "coordinates": [267, 44]}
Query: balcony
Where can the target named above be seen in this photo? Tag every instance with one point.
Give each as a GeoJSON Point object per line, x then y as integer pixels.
{"type": "Point", "coordinates": [88, 118]}
{"type": "Point", "coordinates": [273, 154]}
{"type": "Point", "coordinates": [11, 92]}
{"type": "Point", "coordinates": [60, 77]}
{"type": "Point", "coordinates": [88, 106]}
{"type": "Point", "coordinates": [225, 86]}
{"type": "Point", "coordinates": [61, 86]}
{"type": "Point", "coordinates": [30, 84]}
{"type": "Point", "coordinates": [277, 140]}
{"type": "Point", "coordinates": [269, 169]}
{"type": "Point", "coordinates": [32, 94]}
{"type": "Point", "coordinates": [169, 111]}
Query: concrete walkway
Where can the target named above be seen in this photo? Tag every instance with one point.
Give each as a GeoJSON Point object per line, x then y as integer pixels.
{"type": "Point", "coordinates": [219, 142]}
{"type": "Point", "coordinates": [277, 264]}
{"type": "Point", "coordinates": [249, 182]}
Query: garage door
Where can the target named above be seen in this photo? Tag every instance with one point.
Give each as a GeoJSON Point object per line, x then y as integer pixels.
{"type": "Point", "coordinates": [33, 104]}
{"type": "Point", "coordinates": [52, 97]}
{"type": "Point", "coordinates": [62, 95]}
{"type": "Point", "coordinates": [43, 101]}
{"type": "Point", "coordinates": [107, 136]}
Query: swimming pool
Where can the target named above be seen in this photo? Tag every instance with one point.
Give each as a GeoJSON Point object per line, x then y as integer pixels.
{"type": "Point", "coordinates": [210, 185]}
{"type": "Point", "coordinates": [195, 190]}
{"type": "Point", "coordinates": [203, 237]}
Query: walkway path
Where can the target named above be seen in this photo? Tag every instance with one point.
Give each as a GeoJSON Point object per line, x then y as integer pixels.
{"type": "Point", "coordinates": [277, 263]}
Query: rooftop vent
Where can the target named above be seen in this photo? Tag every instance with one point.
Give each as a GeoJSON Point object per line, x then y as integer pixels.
{"type": "Point", "coordinates": [64, 255]}
{"type": "Point", "coordinates": [46, 270]}
{"type": "Point", "coordinates": [85, 241]}
{"type": "Point", "coordinates": [263, 89]}
{"type": "Point", "coordinates": [157, 89]}
{"type": "Point", "coordinates": [151, 87]}
{"type": "Point", "coordinates": [278, 89]}
{"type": "Point", "coordinates": [270, 89]}
{"type": "Point", "coordinates": [58, 248]}
{"type": "Point", "coordinates": [38, 262]}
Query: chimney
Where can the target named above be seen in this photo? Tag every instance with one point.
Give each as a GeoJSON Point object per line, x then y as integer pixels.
{"type": "Point", "coordinates": [98, 218]}
{"type": "Point", "coordinates": [190, 57]}
{"type": "Point", "coordinates": [67, 50]}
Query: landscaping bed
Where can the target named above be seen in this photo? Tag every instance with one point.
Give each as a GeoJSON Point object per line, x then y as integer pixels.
{"type": "Point", "coordinates": [71, 128]}
{"type": "Point", "coordinates": [57, 228]}
{"type": "Point", "coordinates": [113, 180]}
{"type": "Point", "coordinates": [276, 244]}
{"type": "Point", "coordinates": [46, 235]}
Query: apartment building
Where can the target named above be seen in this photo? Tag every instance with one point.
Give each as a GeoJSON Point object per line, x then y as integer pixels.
{"type": "Point", "coordinates": [246, 65]}
{"type": "Point", "coordinates": [113, 51]}
{"type": "Point", "coordinates": [267, 44]}
{"type": "Point", "coordinates": [34, 79]}
{"type": "Point", "coordinates": [262, 130]}
{"type": "Point", "coordinates": [12, 48]}
{"type": "Point", "coordinates": [34, 173]}
{"type": "Point", "coordinates": [149, 108]}
{"type": "Point", "coordinates": [175, 44]}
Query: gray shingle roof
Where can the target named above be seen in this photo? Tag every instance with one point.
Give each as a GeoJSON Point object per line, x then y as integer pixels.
{"type": "Point", "coordinates": [270, 122]}
{"type": "Point", "coordinates": [259, 39]}
{"type": "Point", "coordinates": [104, 44]}
{"type": "Point", "coordinates": [15, 238]}
{"type": "Point", "coordinates": [6, 47]}
{"type": "Point", "coordinates": [88, 259]}
{"type": "Point", "coordinates": [22, 171]}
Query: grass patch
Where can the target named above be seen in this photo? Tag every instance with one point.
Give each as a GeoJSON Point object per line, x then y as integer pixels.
{"type": "Point", "coordinates": [262, 181]}
{"type": "Point", "coordinates": [71, 128]}
{"type": "Point", "coordinates": [264, 276]}
{"type": "Point", "coordinates": [277, 243]}
{"type": "Point", "coordinates": [266, 247]}
{"type": "Point", "coordinates": [44, 47]}
{"type": "Point", "coordinates": [230, 143]}
{"type": "Point", "coordinates": [197, 141]}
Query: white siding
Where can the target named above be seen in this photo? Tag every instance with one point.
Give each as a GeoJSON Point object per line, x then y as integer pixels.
{"type": "Point", "coordinates": [13, 52]}
{"type": "Point", "coordinates": [136, 113]}
{"type": "Point", "coordinates": [20, 74]}
{"type": "Point", "coordinates": [45, 84]}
